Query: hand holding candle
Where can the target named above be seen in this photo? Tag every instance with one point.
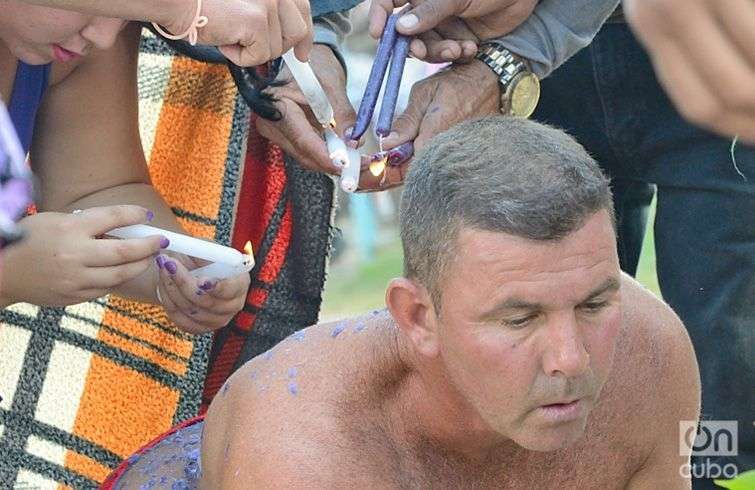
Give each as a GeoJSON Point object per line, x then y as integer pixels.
{"type": "Point", "coordinates": [198, 304]}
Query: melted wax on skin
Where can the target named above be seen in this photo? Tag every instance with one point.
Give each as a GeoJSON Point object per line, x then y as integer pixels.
{"type": "Point", "coordinates": [338, 329]}
{"type": "Point", "coordinates": [293, 388]}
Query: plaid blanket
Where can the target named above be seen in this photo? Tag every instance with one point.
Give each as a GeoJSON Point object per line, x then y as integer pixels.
{"type": "Point", "coordinates": [84, 386]}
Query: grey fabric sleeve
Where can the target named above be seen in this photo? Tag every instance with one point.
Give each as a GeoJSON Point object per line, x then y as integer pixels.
{"type": "Point", "coordinates": [556, 30]}
{"type": "Point", "coordinates": [331, 30]}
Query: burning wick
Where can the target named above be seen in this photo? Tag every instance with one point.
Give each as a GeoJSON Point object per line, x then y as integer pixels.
{"type": "Point", "coordinates": [226, 261]}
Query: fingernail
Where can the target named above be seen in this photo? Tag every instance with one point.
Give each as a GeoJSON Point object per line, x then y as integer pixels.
{"type": "Point", "coordinates": [408, 21]}
{"type": "Point", "coordinates": [447, 54]}
{"type": "Point", "coordinates": [200, 292]}
{"type": "Point", "coordinates": [164, 242]}
{"type": "Point", "coordinates": [150, 215]}
{"type": "Point", "coordinates": [160, 261]}
{"type": "Point", "coordinates": [207, 285]}
{"type": "Point", "coordinates": [171, 267]}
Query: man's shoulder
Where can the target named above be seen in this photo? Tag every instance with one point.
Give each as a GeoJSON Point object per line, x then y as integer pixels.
{"type": "Point", "coordinates": [654, 381]}
{"type": "Point", "coordinates": [291, 409]}
{"type": "Point", "coordinates": [651, 331]}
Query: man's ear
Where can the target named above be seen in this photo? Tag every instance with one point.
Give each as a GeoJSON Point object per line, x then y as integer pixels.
{"type": "Point", "coordinates": [413, 311]}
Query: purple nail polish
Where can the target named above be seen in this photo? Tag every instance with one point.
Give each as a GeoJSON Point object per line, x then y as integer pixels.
{"type": "Point", "coordinates": [200, 292]}
{"type": "Point", "coordinates": [207, 285]}
{"type": "Point", "coordinates": [164, 242]}
{"type": "Point", "coordinates": [171, 267]}
{"type": "Point", "coordinates": [150, 215]}
{"type": "Point", "coordinates": [160, 261]}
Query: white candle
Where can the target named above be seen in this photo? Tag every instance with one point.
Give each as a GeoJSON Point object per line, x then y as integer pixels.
{"type": "Point", "coordinates": [310, 87]}
{"type": "Point", "coordinates": [337, 149]}
{"type": "Point", "coordinates": [350, 173]}
{"type": "Point", "coordinates": [226, 261]}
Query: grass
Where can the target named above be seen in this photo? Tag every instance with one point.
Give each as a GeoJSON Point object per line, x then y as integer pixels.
{"type": "Point", "coordinates": [354, 287]}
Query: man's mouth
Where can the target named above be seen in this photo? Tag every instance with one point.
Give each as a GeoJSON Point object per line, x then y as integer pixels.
{"type": "Point", "coordinates": [63, 55]}
{"type": "Point", "coordinates": [563, 411]}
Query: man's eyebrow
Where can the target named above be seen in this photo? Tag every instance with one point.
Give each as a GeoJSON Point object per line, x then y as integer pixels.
{"type": "Point", "coordinates": [609, 285]}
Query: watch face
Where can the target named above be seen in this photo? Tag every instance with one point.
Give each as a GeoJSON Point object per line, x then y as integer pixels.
{"type": "Point", "coordinates": [525, 94]}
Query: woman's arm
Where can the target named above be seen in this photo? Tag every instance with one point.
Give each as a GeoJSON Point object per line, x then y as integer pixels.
{"type": "Point", "coordinates": [87, 150]}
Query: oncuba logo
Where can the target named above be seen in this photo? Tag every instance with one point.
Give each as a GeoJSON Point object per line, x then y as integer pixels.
{"type": "Point", "coordinates": [709, 438]}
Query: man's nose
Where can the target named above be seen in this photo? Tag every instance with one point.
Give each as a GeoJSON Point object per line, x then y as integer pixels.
{"type": "Point", "coordinates": [103, 31]}
{"type": "Point", "coordinates": [565, 353]}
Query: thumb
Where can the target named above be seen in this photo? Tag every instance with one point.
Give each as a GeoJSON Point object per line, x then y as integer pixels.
{"type": "Point", "coordinates": [426, 16]}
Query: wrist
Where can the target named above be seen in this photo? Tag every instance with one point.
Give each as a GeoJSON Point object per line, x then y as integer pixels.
{"type": "Point", "coordinates": [175, 15]}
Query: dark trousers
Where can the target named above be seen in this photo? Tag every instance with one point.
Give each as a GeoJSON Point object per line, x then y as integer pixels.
{"type": "Point", "coordinates": [608, 98]}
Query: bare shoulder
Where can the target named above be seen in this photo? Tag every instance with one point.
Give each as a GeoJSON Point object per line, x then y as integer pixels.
{"type": "Point", "coordinates": [653, 332]}
{"type": "Point", "coordinates": [278, 421]}
{"type": "Point", "coordinates": [655, 382]}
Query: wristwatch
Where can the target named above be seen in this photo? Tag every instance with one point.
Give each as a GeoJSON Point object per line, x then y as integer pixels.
{"type": "Point", "coordinates": [520, 88]}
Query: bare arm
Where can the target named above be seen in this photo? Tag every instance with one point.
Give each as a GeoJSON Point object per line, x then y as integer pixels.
{"type": "Point", "coordinates": [90, 153]}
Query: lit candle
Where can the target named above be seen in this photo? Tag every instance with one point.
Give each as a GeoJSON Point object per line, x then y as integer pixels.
{"type": "Point", "coordinates": [310, 87]}
{"type": "Point", "coordinates": [226, 261]}
{"type": "Point", "coordinates": [336, 148]}
{"type": "Point", "coordinates": [350, 173]}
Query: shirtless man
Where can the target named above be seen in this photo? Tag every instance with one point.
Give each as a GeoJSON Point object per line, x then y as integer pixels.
{"type": "Point", "coordinates": [513, 354]}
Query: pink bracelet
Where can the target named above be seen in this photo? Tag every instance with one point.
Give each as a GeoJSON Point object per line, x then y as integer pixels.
{"type": "Point", "coordinates": [199, 21]}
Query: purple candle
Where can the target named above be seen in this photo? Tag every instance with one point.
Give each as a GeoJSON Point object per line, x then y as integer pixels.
{"type": "Point", "coordinates": [392, 85]}
{"type": "Point", "coordinates": [375, 81]}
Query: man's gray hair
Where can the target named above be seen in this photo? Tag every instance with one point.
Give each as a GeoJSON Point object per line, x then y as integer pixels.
{"type": "Point", "coordinates": [499, 174]}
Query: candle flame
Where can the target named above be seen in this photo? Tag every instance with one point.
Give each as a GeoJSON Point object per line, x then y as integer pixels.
{"type": "Point", "coordinates": [378, 166]}
{"type": "Point", "coordinates": [248, 248]}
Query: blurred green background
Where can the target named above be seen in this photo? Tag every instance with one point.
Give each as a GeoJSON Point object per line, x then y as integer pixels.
{"type": "Point", "coordinates": [356, 284]}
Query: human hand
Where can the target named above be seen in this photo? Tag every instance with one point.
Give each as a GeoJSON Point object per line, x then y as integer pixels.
{"type": "Point", "coordinates": [704, 55]}
{"type": "Point", "coordinates": [440, 101]}
{"type": "Point", "coordinates": [249, 32]}
{"type": "Point", "coordinates": [195, 304]}
{"type": "Point", "coordinates": [61, 262]}
{"type": "Point", "coordinates": [485, 18]}
{"type": "Point", "coordinates": [298, 133]}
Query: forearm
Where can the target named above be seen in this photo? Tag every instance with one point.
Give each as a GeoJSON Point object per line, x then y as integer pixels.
{"type": "Point", "coordinates": [143, 287]}
{"type": "Point", "coordinates": [556, 30]}
{"type": "Point", "coordinates": [141, 10]}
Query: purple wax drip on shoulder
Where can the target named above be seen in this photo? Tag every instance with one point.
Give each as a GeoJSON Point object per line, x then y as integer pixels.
{"type": "Point", "coordinates": [392, 86]}
{"type": "Point", "coordinates": [375, 80]}
{"type": "Point", "coordinates": [292, 372]}
{"type": "Point", "coordinates": [360, 326]}
{"type": "Point", "coordinates": [338, 329]}
{"type": "Point", "coordinates": [293, 388]}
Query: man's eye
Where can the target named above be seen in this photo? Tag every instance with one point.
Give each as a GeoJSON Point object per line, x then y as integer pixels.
{"type": "Point", "coordinates": [520, 322]}
{"type": "Point", "coordinates": [594, 307]}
